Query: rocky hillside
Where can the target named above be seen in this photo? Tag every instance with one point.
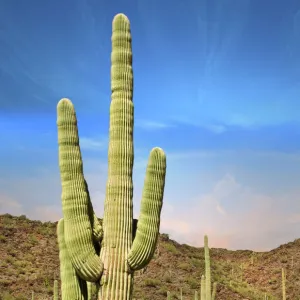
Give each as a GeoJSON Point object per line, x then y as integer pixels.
{"type": "Point", "coordinates": [29, 262]}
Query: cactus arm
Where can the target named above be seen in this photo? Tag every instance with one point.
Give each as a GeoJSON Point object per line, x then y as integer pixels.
{"type": "Point", "coordinates": [72, 286]}
{"type": "Point", "coordinates": [144, 244]}
{"type": "Point", "coordinates": [75, 197]}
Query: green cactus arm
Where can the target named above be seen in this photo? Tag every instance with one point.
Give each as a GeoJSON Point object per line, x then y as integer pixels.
{"type": "Point", "coordinates": [72, 286]}
{"type": "Point", "coordinates": [32, 295]}
{"type": "Point", "coordinates": [75, 197]}
{"type": "Point", "coordinates": [145, 241]}
{"type": "Point", "coordinates": [196, 295]}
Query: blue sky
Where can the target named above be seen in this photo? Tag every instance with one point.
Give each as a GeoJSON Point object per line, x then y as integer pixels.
{"type": "Point", "coordinates": [216, 85]}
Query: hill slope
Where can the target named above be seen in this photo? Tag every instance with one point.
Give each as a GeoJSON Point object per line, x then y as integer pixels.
{"type": "Point", "coordinates": [30, 262]}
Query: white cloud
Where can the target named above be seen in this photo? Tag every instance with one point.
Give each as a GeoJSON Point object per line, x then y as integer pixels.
{"type": "Point", "coordinates": [152, 125]}
{"type": "Point", "coordinates": [217, 129]}
{"type": "Point", "coordinates": [93, 143]}
{"type": "Point", "coordinates": [235, 217]}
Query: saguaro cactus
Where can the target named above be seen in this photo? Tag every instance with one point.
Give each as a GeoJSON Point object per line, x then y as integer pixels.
{"type": "Point", "coordinates": [168, 295]}
{"type": "Point", "coordinates": [283, 284]}
{"type": "Point", "coordinates": [109, 254]}
{"type": "Point", "coordinates": [207, 270]}
{"type": "Point", "coordinates": [55, 290]}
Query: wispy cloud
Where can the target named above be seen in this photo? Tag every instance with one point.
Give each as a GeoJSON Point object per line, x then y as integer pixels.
{"type": "Point", "coordinates": [93, 144]}
{"type": "Point", "coordinates": [216, 128]}
{"type": "Point", "coordinates": [152, 125]}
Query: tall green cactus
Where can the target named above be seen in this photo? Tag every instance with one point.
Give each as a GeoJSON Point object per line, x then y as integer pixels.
{"type": "Point", "coordinates": [283, 284]}
{"type": "Point", "coordinates": [110, 254]}
{"type": "Point", "coordinates": [207, 270]}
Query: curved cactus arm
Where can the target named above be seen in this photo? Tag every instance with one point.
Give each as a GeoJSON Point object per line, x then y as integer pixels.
{"type": "Point", "coordinates": [144, 244]}
{"type": "Point", "coordinates": [75, 197]}
{"type": "Point", "coordinates": [72, 286]}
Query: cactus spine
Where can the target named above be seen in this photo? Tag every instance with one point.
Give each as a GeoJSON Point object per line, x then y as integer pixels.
{"type": "Point", "coordinates": [122, 250]}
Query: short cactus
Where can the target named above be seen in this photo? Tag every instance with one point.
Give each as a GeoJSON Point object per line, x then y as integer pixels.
{"type": "Point", "coordinates": [283, 284]}
{"type": "Point", "coordinates": [168, 295]}
{"type": "Point", "coordinates": [55, 290]}
{"type": "Point", "coordinates": [214, 292]}
{"type": "Point", "coordinates": [109, 254]}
